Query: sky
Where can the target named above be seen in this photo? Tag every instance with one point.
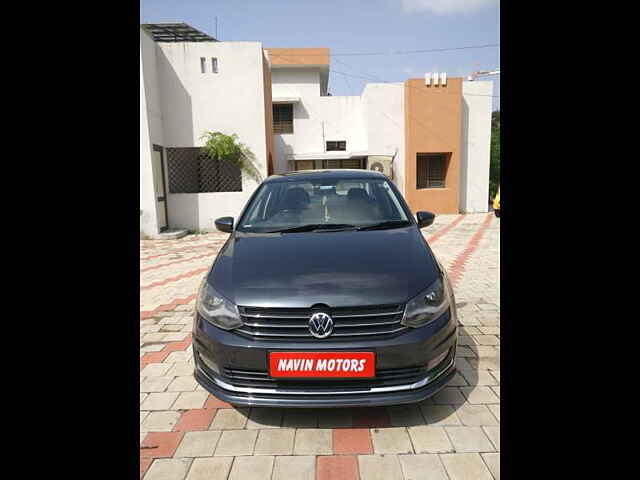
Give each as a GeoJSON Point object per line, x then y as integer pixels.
{"type": "Point", "coordinates": [383, 27]}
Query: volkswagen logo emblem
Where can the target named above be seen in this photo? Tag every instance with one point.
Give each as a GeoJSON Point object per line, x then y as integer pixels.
{"type": "Point", "coordinates": [320, 325]}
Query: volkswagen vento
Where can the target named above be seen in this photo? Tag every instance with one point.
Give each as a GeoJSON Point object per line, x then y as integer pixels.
{"type": "Point", "coordinates": [325, 294]}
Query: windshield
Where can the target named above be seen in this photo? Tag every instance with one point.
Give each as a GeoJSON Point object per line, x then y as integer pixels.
{"type": "Point", "coordinates": [323, 204]}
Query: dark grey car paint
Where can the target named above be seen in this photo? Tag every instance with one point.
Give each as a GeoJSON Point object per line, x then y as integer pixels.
{"type": "Point", "coordinates": [349, 268]}
{"type": "Point", "coordinates": [339, 269]}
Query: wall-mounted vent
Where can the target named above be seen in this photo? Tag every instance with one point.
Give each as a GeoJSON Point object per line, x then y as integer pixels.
{"type": "Point", "coordinates": [435, 79]}
{"type": "Point", "coordinates": [333, 146]}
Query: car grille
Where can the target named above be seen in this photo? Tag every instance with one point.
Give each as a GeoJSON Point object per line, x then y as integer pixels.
{"type": "Point", "coordinates": [383, 378]}
{"type": "Point", "coordinates": [349, 322]}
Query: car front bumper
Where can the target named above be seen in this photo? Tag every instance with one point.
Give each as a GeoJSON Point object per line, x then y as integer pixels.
{"type": "Point", "coordinates": [412, 348]}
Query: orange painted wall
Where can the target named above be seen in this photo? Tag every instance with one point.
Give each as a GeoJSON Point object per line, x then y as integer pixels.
{"type": "Point", "coordinates": [433, 124]}
{"type": "Point", "coordinates": [298, 56]}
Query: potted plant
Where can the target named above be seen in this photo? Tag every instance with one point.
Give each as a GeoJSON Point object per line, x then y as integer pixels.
{"type": "Point", "coordinates": [219, 146]}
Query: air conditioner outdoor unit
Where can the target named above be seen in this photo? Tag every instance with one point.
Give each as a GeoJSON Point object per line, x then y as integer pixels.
{"type": "Point", "coordinates": [382, 164]}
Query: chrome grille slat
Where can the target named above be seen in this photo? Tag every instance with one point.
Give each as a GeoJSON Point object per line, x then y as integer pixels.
{"type": "Point", "coordinates": [367, 333]}
{"type": "Point", "coordinates": [372, 324]}
{"type": "Point", "coordinates": [384, 377]}
{"type": "Point", "coordinates": [262, 334]}
{"type": "Point", "coordinates": [305, 325]}
{"type": "Point", "coordinates": [349, 322]}
{"type": "Point", "coordinates": [275, 325]}
{"type": "Point", "coordinates": [368, 315]}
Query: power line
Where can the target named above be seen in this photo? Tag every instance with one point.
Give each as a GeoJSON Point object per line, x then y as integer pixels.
{"type": "Point", "coordinates": [345, 78]}
{"type": "Point", "coordinates": [371, 77]}
{"type": "Point", "coordinates": [400, 83]}
{"type": "Point", "coordinates": [375, 79]}
{"type": "Point", "coordinates": [392, 52]}
{"type": "Point", "coordinates": [419, 91]}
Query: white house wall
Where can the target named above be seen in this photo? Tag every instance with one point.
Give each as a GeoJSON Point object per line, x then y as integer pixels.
{"type": "Point", "coordinates": [383, 110]}
{"type": "Point", "coordinates": [178, 104]}
{"type": "Point", "coordinates": [316, 119]}
{"type": "Point", "coordinates": [192, 103]}
{"type": "Point", "coordinates": [476, 144]}
{"type": "Point", "coordinates": [343, 119]}
{"type": "Point", "coordinates": [150, 133]}
{"type": "Point", "coordinates": [152, 89]}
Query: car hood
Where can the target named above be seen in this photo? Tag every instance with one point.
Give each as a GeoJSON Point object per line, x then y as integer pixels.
{"type": "Point", "coordinates": [339, 269]}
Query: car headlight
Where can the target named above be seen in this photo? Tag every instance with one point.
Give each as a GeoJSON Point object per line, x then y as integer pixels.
{"type": "Point", "coordinates": [429, 305]}
{"type": "Point", "coordinates": [216, 309]}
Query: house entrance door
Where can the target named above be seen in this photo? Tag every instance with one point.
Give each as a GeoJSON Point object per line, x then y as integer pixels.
{"type": "Point", "coordinates": [160, 188]}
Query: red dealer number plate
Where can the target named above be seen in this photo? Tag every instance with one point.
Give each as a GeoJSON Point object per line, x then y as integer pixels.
{"type": "Point", "coordinates": [322, 364]}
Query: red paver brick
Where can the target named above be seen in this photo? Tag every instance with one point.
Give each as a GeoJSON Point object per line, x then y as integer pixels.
{"type": "Point", "coordinates": [145, 463]}
{"type": "Point", "coordinates": [173, 251]}
{"type": "Point", "coordinates": [433, 238]}
{"type": "Point", "coordinates": [457, 267]}
{"type": "Point", "coordinates": [371, 417]}
{"type": "Point", "coordinates": [174, 279]}
{"type": "Point", "coordinates": [195, 420]}
{"type": "Point", "coordinates": [159, 357]}
{"type": "Point", "coordinates": [153, 357]}
{"type": "Point", "coordinates": [166, 307]}
{"type": "Point", "coordinates": [178, 346]}
{"type": "Point", "coordinates": [190, 259]}
{"type": "Point", "coordinates": [160, 444]}
{"type": "Point", "coordinates": [352, 440]}
{"type": "Point", "coordinates": [343, 467]}
{"type": "Point", "coordinates": [214, 402]}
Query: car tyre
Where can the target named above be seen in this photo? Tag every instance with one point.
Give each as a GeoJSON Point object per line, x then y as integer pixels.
{"type": "Point", "coordinates": [497, 212]}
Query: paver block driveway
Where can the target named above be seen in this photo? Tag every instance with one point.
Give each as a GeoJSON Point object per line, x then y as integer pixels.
{"type": "Point", "coordinates": [186, 433]}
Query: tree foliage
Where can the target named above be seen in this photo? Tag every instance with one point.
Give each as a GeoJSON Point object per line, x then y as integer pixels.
{"type": "Point", "coordinates": [219, 146]}
{"type": "Point", "coordinates": [494, 166]}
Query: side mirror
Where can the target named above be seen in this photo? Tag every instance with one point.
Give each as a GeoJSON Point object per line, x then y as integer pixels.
{"type": "Point", "coordinates": [425, 219]}
{"type": "Point", "coordinates": [225, 224]}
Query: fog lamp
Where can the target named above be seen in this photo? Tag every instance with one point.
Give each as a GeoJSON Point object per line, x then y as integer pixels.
{"type": "Point", "coordinates": [211, 365]}
{"type": "Point", "coordinates": [434, 362]}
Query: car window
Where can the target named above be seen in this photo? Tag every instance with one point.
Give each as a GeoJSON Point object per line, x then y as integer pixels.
{"type": "Point", "coordinates": [281, 205]}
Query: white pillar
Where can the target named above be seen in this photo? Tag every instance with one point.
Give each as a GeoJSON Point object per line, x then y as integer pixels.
{"type": "Point", "coordinates": [476, 145]}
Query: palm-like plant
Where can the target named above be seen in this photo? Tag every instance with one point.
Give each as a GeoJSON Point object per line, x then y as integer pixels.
{"type": "Point", "coordinates": [219, 146]}
{"type": "Point", "coordinates": [494, 162]}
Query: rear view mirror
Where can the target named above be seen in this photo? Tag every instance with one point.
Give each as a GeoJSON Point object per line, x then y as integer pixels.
{"type": "Point", "coordinates": [425, 219]}
{"type": "Point", "coordinates": [225, 224]}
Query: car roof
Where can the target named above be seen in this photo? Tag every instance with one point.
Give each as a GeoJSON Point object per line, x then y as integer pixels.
{"type": "Point", "coordinates": [335, 174]}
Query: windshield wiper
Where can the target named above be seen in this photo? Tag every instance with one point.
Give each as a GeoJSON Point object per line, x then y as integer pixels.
{"type": "Point", "coordinates": [385, 225]}
{"type": "Point", "coordinates": [314, 227]}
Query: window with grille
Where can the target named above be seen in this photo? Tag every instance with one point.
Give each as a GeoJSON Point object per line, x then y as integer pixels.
{"type": "Point", "coordinates": [203, 65]}
{"type": "Point", "coordinates": [282, 118]}
{"type": "Point", "coordinates": [214, 64]}
{"type": "Point", "coordinates": [431, 169]}
{"type": "Point", "coordinates": [191, 171]}
{"type": "Point", "coordinates": [305, 165]}
{"type": "Point", "coordinates": [353, 163]}
{"type": "Point", "coordinates": [333, 146]}
{"type": "Point", "coordinates": [349, 163]}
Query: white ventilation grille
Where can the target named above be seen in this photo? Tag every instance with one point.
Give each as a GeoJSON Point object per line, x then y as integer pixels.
{"type": "Point", "coordinates": [435, 79]}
